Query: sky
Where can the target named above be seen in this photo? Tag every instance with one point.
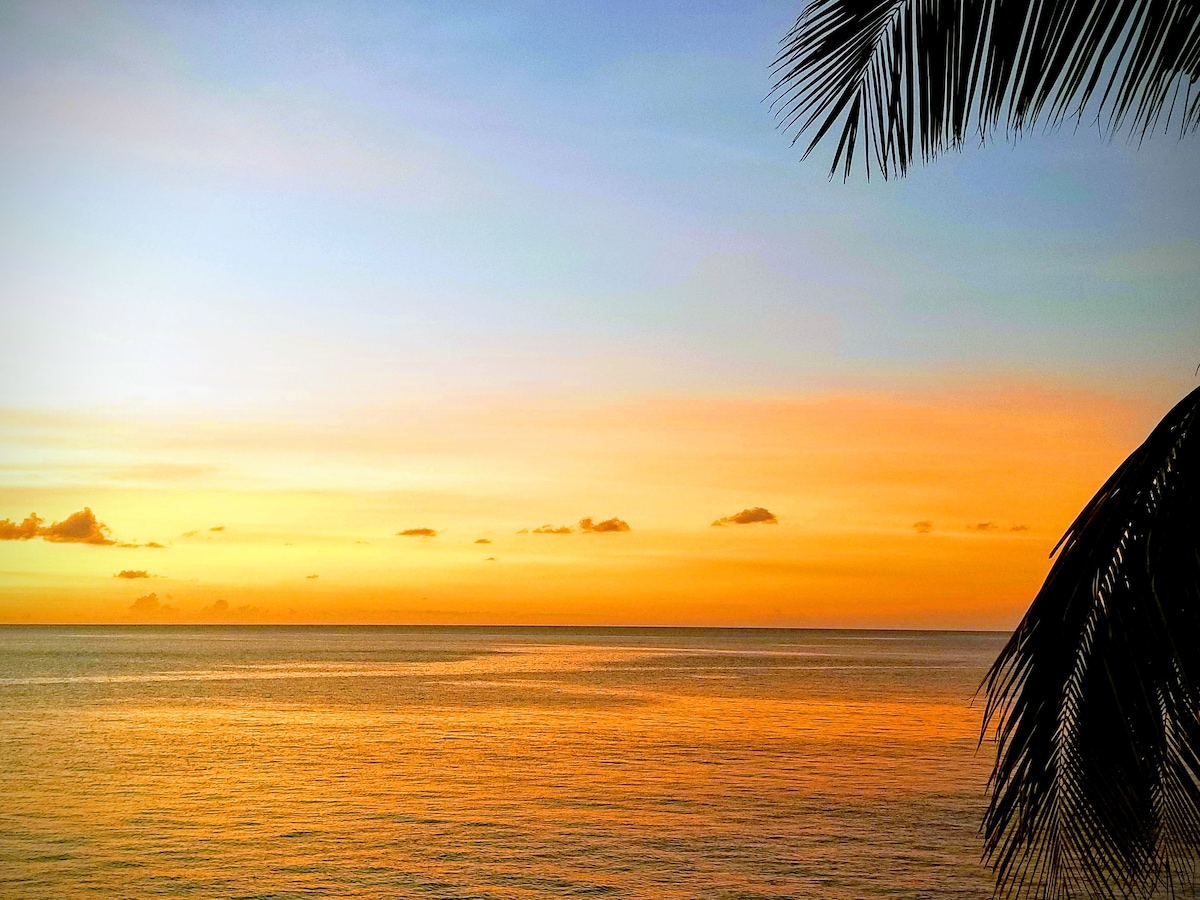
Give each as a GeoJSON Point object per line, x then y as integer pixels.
{"type": "Point", "coordinates": [281, 282]}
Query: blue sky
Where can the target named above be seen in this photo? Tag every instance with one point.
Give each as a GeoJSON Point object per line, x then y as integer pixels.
{"type": "Point", "coordinates": [275, 205]}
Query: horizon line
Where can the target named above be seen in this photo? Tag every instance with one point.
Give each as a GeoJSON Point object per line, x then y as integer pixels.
{"type": "Point", "coordinates": [499, 626]}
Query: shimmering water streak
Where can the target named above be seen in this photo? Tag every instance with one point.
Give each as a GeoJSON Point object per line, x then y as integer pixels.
{"type": "Point", "coordinates": [391, 762]}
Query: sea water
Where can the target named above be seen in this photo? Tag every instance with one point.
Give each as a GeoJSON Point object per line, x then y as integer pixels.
{"type": "Point", "coordinates": [298, 762]}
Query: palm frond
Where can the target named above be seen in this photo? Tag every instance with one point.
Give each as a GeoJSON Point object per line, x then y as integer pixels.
{"type": "Point", "coordinates": [904, 80]}
{"type": "Point", "coordinates": [1096, 697]}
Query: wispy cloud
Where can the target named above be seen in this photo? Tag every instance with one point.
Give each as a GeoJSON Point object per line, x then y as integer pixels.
{"type": "Point", "coordinates": [1019, 528]}
{"type": "Point", "coordinates": [982, 526]}
{"type": "Point", "coordinates": [613, 524]}
{"type": "Point", "coordinates": [132, 573]}
{"type": "Point", "coordinates": [586, 525]}
{"type": "Point", "coordinates": [312, 576]}
{"type": "Point", "coordinates": [77, 528]}
{"type": "Point", "coordinates": [217, 528]}
{"type": "Point", "coordinates": [755, 514]}
{"type": "Point", "coordinates": [483, 541]}
{"type": "Point", "coordinates": [417, 532]}
{"type": "Point", "coordinates": [923, 527]}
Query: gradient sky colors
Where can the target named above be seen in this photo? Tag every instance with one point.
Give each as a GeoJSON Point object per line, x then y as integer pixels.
{"type": "Point", "coordinates": [319, 274]}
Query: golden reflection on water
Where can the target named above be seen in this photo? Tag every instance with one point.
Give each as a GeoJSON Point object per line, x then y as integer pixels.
{"type": "Point", "coordinates": [475, 763]}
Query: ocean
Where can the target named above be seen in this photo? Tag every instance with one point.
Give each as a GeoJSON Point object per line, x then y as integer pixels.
{"type": "Point", "coordinates": [377, 762]}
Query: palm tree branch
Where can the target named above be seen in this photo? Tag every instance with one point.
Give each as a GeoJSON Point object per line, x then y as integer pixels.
{"type": "Point", "coordinates": [894, 75]}
{"type": "Point", "coordinates": [1095, 699]}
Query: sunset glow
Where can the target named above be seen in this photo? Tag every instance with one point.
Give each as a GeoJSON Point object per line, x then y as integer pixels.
{"type": "Point", "coordinates": [326, 317]}
{"type": "Point", "coordinates": [936, 507]}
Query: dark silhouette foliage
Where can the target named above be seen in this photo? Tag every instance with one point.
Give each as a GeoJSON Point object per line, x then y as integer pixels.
{"type": "Point", "coordinates": [1095, 700]}
{"type": "Point", "coordinates": [904, 80]}
{"type": "Point", "coordinates": [1096, 697]}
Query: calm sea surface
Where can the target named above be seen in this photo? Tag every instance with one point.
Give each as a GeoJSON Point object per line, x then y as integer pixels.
{"type": "Point", "coordinates": [490, 763]}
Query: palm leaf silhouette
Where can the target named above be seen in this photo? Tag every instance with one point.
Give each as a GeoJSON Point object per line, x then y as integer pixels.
{"type": "Point", "coordinates": [1095, 700]}
{"type": "Point", "coordinates": [902, 80]}
{"type": "Point", "coordinates": [1096, 789]}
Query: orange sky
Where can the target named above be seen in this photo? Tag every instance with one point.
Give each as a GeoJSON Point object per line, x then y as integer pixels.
{"type": "Point", "coordinates": [996, 475]}
{"type": "Point", "coordinates": [315, 281]}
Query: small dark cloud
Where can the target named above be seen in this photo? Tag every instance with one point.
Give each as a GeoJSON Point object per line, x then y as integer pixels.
{"type": "Point", "coordinates": [134, 545]}
{"type": "Point", "coordinates": [132, 573]}
{"type": "Point", "coordinates": [1019, 528]}
{"type": "Point", "coordinates": [189, 534]}
{"type": "Point", "coordinates": [749, 517]}
{"type": "Point", "coordinates": [78, 528]}
{"type": "Point", "coordinates": [417, 532]}
{"type": "Point", "coordinates": [153, 545]}
{"type": "Point", "coordinates": [613, 524]}
{"type": "Point", "coordinates": [489, 559]}
{"type": "Point", "coordinates": [217, 528]}
{"type": "Point", "coordinates": [362, 542]}
{"type": "Point", "coordinates": [983, 526]}
{"type": "Point", "coordinates": [21, 531]}
{"type": "Point", "coordinates": [923, 527]}
{"type": "Point", "coordinates": [312, 576]}
{"type": "Point", "coordinates": [483, 541]}
{"type": "Point", "coordinates": [523, 531]}
{"type": "Point", "coordinates": [550, 529]}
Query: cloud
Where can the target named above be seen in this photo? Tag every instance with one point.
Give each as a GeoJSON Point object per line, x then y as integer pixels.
{"type": "Point", "coordinates": [923, 527]}
{"type": "Point", "coordinates": [1019, 528]}
{"type": "Point", "coordinates": [417, 532]}
{"type": "Point", "coordinates": [217, 528]}
{"type": "Point", "coordinates": [219, 609]}
{"type": "Point", "coordinates": [132, 573]}
{"type": "Point", "coordinates": [489, 559]}
{"type": "Point", "coordinates": [749, 517]}
{"type": "Point", "coordinates": [12, 531]}
{"type": "Point", "coordinates": [312, 576]}
{"type": "Point", "coordinates": [149, 607]}
{"type": "Point", "coordinates": [189, 534]}
{"type": "Point", "coordinates": [550, 529]}
{"type": "Point", "coordinates": [483, 541]}
{"type": "Point", "coordinates": [77, 528]}
{"type": "Point", "coordinates": [133, 545]}
{"type": "Point", "coordinates": [613, 524]}
{"type": "Point", "coordinates": [983, 526]}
